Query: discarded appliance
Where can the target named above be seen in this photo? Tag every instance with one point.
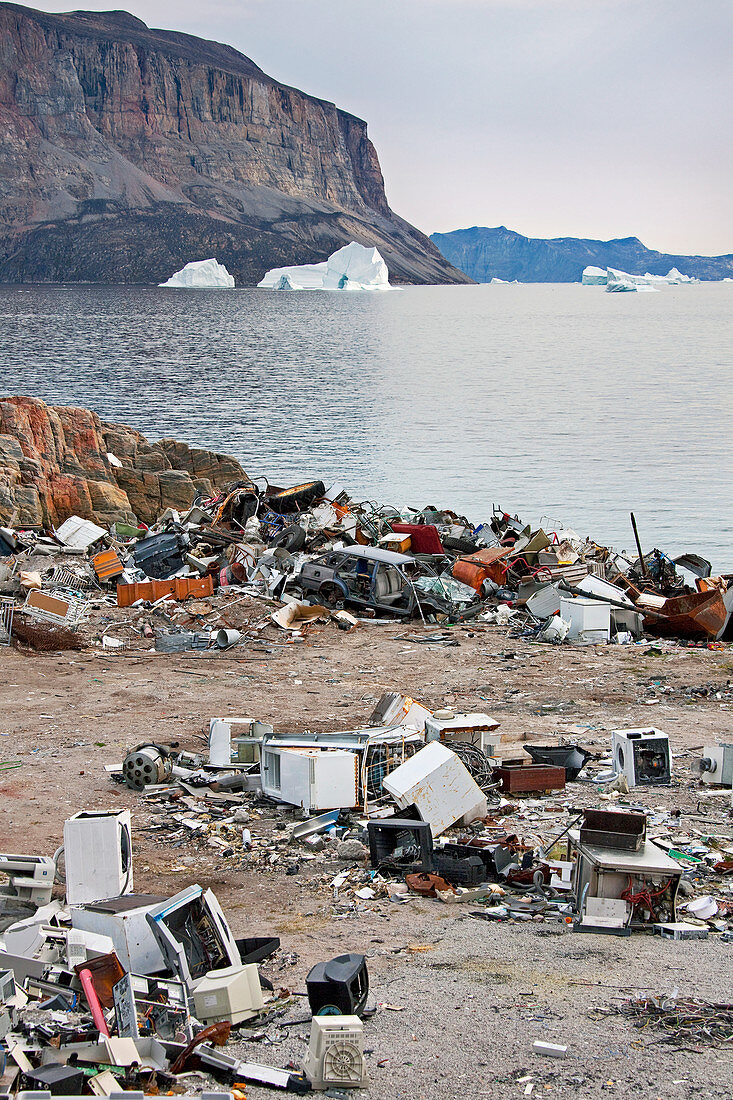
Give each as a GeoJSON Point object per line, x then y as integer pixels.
{"type": "Point", "coordinates": [314, 778]}
{"type": "Point", "coordinates": [642, 755]}
{"type": "Point", "coordinates": [715, 766]}
{"type": "Point", "coordinates": [395, 709]}
{"type": "Point", "coordinates": [146, 765]}
{"type": "Point", "coordinates": [335, 1057]}
{"type": "Point", "coordinates": [515, 778]}
{"type": "Point", "coordinates": [56, 1080]}
{"type": "Point", "coordinates": [124, 921]}
{"type": "Point", "coordinates": [193, 934]}
{"type": "Point", "coordinates": [613, 829]}
{"type": "Point", "coordinates": [472, 729]}
{"type": "Point", "coordinates": [339, 987]}
{"type": "Point", "coordinates": [97, 856]}
{"type": "Point", "coordinates": [400, 844]}
{"type": "Point", "coordinates": [30, 877]}
{"type": "Point", "coordinates": [616, 889]}
{"type": "Point", "coordinates": [572, 758]}
{"type": "Point", "coordinates": [142, 1003]}
{"type": "Point", "coordinates": [159, 556]}
{"type": "Point", "coordinates": [590, 620]}
{"type": "Point", "coordinates": [439, 785]}
{"type": "Point", "coordinates": [79, 534]}
{"type": "Point", "coordinates": [233, 993]}
{"type": "Point", "coordinates": [484, 565]}
{"type": "Point", "coordinates": [245, 733]}
{"type": "Point", "coordinates": [377, 752]}
{"type": "Point", "coordinates": [458, 869]}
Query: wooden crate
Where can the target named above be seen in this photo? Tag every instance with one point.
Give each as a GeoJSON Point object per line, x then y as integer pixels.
{"type": "Point", "coordinates": [516, 778]}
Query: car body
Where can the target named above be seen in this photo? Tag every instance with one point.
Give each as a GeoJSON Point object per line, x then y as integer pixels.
{"type": "Point", "coordinates": [366, 576]}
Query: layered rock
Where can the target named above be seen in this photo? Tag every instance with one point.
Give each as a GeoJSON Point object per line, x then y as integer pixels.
{"type": "Point", "coordinates": [126, 152]}
{"type": "Point", "coordinates": [56, 462]}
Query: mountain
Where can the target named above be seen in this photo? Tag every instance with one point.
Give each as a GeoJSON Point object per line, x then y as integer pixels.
{"type": "Point", "coordinates": [487, 254]}
{"type": "Point", "coordinates": [126, 152]}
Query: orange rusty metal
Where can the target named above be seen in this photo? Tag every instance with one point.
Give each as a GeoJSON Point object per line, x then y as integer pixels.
{"type": "Point", "coordinates": [177, 588]}
{"type": "Point", "coordinates": [697, 615]}
{"type": "Point", "coordinates": [107, 565]}
{"type": "Point", "coordinates": [474, 569]}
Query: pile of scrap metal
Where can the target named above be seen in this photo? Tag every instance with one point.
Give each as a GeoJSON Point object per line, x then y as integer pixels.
{"type": "Point", "coordinates": [320, 553]}
{"type": "Point", "coordinates": [111, 991]}
{"type": "Point", "coordinates": [571, 588]}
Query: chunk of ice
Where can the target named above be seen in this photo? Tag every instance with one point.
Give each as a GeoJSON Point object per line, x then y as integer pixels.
{"type": "Point", "coordinates": [201, 275]}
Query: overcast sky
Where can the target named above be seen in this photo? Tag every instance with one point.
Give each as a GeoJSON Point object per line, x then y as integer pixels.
{"type": "Point", "coordinates": [592, 118]}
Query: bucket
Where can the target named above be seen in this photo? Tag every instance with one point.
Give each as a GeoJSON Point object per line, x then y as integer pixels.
{"type": "Point", "coordinates": [225, 639]}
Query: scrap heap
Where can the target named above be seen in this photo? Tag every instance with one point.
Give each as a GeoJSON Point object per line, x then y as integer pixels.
{"type": "Point", "coordinates": [314, 553]}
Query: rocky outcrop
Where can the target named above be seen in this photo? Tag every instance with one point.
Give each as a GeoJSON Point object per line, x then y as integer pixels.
{"type": "Point", "coordinates": [55, 462]}
{"type": "Point", "coordinates": [500, 253]}
{"type": "Point", "coordinates": [125, 152]}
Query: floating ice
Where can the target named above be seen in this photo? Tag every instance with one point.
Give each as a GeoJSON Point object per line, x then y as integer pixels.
{"type": "Point", "coordinates": [594, 276]}
{"type": "Point", "coordinates": [621, 280]}
{"type": "Point", "coordinates": [353, 267]}
{"type": "Point", "coordinates": [201, 274]}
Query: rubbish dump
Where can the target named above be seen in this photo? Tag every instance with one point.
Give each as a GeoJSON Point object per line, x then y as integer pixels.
{"type": "Point", "coordinates": [309, 554]}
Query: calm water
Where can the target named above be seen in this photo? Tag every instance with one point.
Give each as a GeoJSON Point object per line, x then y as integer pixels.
{"type": "Point", "coordinates": [559, 401]}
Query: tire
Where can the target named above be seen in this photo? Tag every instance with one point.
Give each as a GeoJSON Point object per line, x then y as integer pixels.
{"type": "Point", "coordinates": [292, 538]}
{"type": "Point", "coordinates": [330, 595]}
{"type": "Point", "coordinates": [296, 499]}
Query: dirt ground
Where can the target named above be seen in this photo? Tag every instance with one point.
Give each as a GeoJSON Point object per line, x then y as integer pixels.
{"type": "Point", "coordinates": [466, 998]}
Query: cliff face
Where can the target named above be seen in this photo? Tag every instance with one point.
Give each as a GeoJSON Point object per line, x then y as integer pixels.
{"type": "Point", "coordinates": [499, 253]}
{"type": "Point", "coordinates": [54, 463]}
{"type": "Point", "coordinates": [125, 152]}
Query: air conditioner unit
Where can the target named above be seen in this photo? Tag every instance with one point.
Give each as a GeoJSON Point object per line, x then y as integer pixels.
{"type": "Point", "coordinates": [336, 1053]}
{"type": "Point", "coordinates": [314, 778]}
{"type": "Point", "coordinates": [642, 755]}
{"type": "Point", "coordinates": [715, 766]}
{"type": "Point", "coordinates": [98, 856]}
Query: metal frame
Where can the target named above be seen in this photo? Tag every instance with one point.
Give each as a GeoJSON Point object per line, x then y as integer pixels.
{"type": "Point", "coordinates": [7, 610]}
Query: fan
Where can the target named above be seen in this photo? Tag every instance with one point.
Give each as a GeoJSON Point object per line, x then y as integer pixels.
{"type": "Point", "coordinates": [335, 1053]}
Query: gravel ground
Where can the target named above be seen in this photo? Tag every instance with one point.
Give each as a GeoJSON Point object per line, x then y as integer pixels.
{"type": "Point", "coordinates": [478, 997]}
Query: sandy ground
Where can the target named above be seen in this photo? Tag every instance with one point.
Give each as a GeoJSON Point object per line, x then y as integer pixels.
{"type": "Point", "coordinates": [473, 995]}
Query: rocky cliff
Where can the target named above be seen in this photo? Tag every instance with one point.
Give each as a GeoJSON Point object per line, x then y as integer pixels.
{"type": "Point", "coordinates": [500, 253]}
{"type": "Point", "coordinates": [126, 152]}
{"type": "Point", "coordinates": [55, 462]}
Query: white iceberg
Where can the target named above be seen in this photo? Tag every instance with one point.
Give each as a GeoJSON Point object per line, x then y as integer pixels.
{"type": "Point", "coordinates": [622, 281]}
{"type": "Point", "coordinates": [353, 267]}
{"type": "Point", "coordinates": [594, 276]}
{"type": "Point", "coordinates": [201, 275]}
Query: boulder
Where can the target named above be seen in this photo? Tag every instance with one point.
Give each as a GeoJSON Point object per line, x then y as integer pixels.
{"type": "Point", "coordinates": [55, 462]}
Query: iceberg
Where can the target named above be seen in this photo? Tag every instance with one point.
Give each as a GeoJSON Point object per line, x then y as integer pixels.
{"type": "Point", "coordinates": [594, 276]}
{"type": "Point", "coordinates": [200, 275]}
{"type": "Point", "coordinates": [353, 267]}
{"type": "Point", "coordinates": [621, 280]}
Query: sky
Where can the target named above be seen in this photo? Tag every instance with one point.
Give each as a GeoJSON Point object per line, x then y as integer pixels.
{"type": "Point", "coordinates": [581, 118]}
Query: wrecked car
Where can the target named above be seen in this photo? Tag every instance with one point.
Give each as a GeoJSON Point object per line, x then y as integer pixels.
{"type": "Point", "coordinates": [369, 577]}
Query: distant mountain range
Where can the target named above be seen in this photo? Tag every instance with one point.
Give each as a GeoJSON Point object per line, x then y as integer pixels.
{"type": "Point", "coordinates": [487, 254]}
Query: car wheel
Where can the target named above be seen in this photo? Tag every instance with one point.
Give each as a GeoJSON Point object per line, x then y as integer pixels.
{"type": "Point", "coordinates": [330, 595]}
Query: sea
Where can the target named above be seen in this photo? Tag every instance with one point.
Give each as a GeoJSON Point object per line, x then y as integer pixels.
{"type": "Point", "coordinates": [560, 403]}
